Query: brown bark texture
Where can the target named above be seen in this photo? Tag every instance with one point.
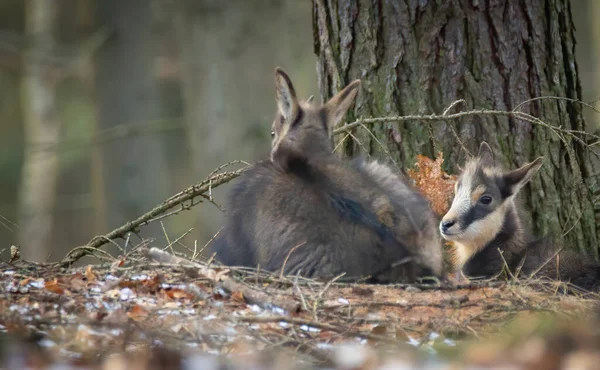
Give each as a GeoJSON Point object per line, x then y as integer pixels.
{"type": "Point", "coordinates": [417, 57]}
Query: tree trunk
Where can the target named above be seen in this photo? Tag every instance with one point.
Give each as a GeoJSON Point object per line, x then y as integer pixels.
{"type": "Point", "coordinates": [417, 57]}
{"type": "Point", "coordinates": [42, 134]}
{"type": "Point", "coordinates": [136, 177]}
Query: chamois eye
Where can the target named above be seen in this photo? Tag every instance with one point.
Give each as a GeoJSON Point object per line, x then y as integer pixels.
{"type": "Point", "coordinates": [272, 133]}
{"type": "Point", "coordinates": [486, 199]}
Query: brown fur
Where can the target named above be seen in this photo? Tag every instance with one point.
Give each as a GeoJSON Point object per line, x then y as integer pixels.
{"type": "Point", "coordinates": [480, 232]}
{"type": "Point", "coordinates": [346, 216]}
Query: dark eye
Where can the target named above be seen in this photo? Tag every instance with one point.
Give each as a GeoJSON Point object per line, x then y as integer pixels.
{"type": "Point", "coordinates": [486, 199]}
{"type": "Point", "coordinates": [272, 133]}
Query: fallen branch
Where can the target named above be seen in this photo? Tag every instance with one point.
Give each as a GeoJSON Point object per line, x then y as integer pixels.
{"type": "Point", "coordinates": [262, 299]}
{"type": "Point", "coordinates": [131, 226]}
{"type": "Point", "coordinates": [315, 324]}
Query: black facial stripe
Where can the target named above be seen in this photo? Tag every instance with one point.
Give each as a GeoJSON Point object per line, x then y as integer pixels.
{"type": "Point", "coordinates": [476, 212]}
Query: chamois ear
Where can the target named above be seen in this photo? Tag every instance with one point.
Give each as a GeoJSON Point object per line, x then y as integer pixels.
{"type": "Point", "coordinates": [285, 95]}
{"type": "Point", "coordinates": [485, 155]}
{"type": "Point", "coordinates": [335, 109]}
{"type": "Point", "coordinates": [516, 179]}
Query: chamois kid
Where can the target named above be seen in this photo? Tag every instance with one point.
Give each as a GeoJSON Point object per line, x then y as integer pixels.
{"type": "Point", "coordinates": [322, 215]}
{"type": "Point", "coordinates": [484, 225]}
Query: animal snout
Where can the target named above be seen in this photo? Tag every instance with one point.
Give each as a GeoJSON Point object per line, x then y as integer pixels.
{"type": "Point", "coordinates": [445, 225]}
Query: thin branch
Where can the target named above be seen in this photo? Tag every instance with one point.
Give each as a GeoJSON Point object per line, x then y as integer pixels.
{"type": "Point", "coordinates": [120, 232]}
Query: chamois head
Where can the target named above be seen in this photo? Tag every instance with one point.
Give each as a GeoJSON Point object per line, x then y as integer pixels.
{"type": "Point", "coordinates": [484, 195]}
{"type": "Point", "coordinates": [305, 128]}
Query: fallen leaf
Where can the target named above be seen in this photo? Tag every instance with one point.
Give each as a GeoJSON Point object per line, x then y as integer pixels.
{"type": "Point", "coordinates": [89, 274]}
{"type": "Point", "coordinates": [238, 296]}
{"type": "Point", "coordinates": [178, 294]}
{"type": "Point", "coordinates": [137, 313]}
{"type": "Point", "coordinates": [53, 287]}
{"type": "Point", "coordinates": [435, 184]}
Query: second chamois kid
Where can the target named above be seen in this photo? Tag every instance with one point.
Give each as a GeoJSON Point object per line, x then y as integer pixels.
{"type": "Point", "coordinates": [320, 215]}
{"type": "Point", "coordinates": [487, 233]}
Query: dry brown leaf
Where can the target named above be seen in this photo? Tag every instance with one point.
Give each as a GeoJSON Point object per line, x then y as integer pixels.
{"type": "Point", "coordinates": [137, 313]}
{"type": "Point", "coordinates": [178, 294]}
{"type": "Point", "coordinates": [238, 296]}
{"type": "Point", "coordinates": [90, 274]}
{"type": "Point", "coordinates": [52, 285]}
{"type": "Point", "coordinates": [435, 184]}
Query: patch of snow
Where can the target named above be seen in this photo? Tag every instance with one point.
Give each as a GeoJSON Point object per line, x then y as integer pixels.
{"type": "Point", "coordinates": [127, 294]}
{"type": "Point", "coordinates": [230, 330]}
{"type": "Point", "coordinates": [39, 283]}
{"type": "Point", "coordinates": [325, 346]}
{"type": "Point", "coordinates": [278, 310]}
{"type": "Point", "coordinates": [343, 301]}
{"type": "Point", "coordinates": [309, 328]}
{"type": "Point", "coordinates": [209, 317]}
{"type": "Point", "coordinates": [413, 341]}
{"type": "Point", "coordinates": [449, 342]}
{"type": "Point", "coordinates": [47, 343]}
{"type": "Point", "coordinates": [254, 308]}
{"type": "Point", "coordinates": [95, 289]}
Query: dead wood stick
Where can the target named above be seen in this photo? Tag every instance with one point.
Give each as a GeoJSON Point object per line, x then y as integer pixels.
{"type": "Point", "coordinates": [445, 303]}
{"type": "Point", "coordinates": [315, 324]}
{"type": "Point", "coordinates": [262, 299]}
{"type": "Point", "coordinates": [189, 193]}
{"type": "Point", "coordinates": [161, 256]}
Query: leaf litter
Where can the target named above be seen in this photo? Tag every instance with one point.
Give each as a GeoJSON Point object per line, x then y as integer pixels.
{"type": "Point", "coordinates": [155, 310]}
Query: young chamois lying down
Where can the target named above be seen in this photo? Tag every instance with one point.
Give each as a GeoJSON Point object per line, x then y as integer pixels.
{"type": "Point", "coordinates": [329, 215]}
{"type": "Point", "coordinates": [483, 221]}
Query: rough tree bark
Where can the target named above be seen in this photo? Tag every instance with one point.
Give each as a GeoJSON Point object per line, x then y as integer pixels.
{"type": "Point", "coordinates": [37, 192]}
{"type": "Point", "coordinates": [417, 57]}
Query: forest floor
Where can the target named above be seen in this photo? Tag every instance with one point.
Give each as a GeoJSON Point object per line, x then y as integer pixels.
{"type": "Point", "coordinates": [154, 309]}
{"type": "Point", "coordinates": [160, 311]}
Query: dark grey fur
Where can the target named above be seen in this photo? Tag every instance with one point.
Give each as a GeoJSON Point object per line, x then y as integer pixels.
{"type": "Point", "coordinates": [354, 217]}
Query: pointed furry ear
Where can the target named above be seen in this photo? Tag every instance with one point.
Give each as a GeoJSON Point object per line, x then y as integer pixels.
{"type": "Point", "coordinates": [485, 155]}
{"type": "Point", "coordinates": [516, 179]}
{"type": "Point", "coordinates": [335, 109]}
{"type": "Point", "coordinates": [285, 95]}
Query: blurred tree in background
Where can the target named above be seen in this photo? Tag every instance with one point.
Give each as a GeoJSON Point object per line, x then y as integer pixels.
{"type": "Point", "coordinates": [418, 57]}
{"type": "Point", "coordinates": [107, 107]}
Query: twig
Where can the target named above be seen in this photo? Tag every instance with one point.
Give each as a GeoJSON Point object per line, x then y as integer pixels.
{"type": "Point", "coordinates": [314, 324]}
{"type": "Point", "coordinates": [287, 257]}
{"type": "Point", "coordinates": [119, 232]}
{"type": "Point", "coordinates": [322, 293]}
{"type": "Point", "coordinates": [254, 296]}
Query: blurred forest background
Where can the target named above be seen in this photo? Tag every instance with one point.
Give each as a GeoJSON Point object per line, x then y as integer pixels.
{"type": "Point", "coordinates": [108, 107]}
